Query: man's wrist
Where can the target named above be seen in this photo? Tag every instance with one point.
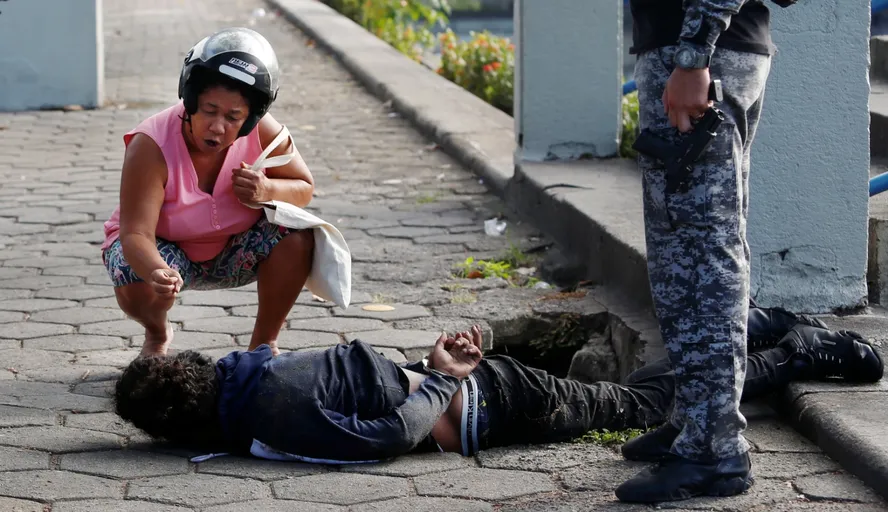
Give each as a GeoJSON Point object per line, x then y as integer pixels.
{"type": "Point", "coordinates": [690, 55]}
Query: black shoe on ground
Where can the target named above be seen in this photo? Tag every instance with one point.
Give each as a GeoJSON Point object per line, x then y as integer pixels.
{"type": "Point", "coordinates": [653, 446]}
{"type": "Point", "coordinates": [681, 479]}
{"type": "Point", "coordinates": [767, 326]}
{"type": "Point", "coordinates": [821, 354]}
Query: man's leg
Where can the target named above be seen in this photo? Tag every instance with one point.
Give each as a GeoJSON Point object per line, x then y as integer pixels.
{"type": "Point", "coordinates": [698, 267]}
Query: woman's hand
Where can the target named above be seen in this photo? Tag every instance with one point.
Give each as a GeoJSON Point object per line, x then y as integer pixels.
{"type": "Point", "coordinates": [250, 187]}
{"type": "Point", "coordinates": [166, 282]}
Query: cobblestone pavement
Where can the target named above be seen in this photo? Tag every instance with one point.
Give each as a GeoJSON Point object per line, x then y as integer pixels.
{"type": "Point", "coordinates": [408, 212]}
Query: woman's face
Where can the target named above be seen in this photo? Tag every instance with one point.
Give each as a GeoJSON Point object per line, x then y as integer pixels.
{"type": "Point", "coordinates": [220, 114]}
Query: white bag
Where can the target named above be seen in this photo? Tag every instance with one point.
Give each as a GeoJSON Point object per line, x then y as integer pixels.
{"type": "Point", "coordinates": [330, 276]}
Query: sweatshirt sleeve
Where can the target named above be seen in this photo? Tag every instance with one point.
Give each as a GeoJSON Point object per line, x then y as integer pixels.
{"type": "Point", "coordinates": [396, 433]}
{"type": "Point", "coordinates": [705, 20]}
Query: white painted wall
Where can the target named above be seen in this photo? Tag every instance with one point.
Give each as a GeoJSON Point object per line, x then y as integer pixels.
{"type": "Point", "coordinates": [568, 78]}
{"type": "Point", "coordinates": [810, 160]}
{"type": "Point", "coordinates": [51, 54]}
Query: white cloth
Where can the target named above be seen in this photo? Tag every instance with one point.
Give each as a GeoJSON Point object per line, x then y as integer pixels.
{"type": "Point", "coordinates": [330, 276]}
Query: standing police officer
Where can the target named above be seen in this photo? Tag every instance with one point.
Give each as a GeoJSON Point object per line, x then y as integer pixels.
{"type": "Point", "coordinates": [698, 257]}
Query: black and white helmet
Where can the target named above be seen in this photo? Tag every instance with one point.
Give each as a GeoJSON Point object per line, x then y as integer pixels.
{"type": "Point", "coordinates": [238, 53]}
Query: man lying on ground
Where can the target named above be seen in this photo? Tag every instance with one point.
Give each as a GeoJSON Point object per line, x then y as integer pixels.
{"type": "Point", "coordinates": [350, 404]}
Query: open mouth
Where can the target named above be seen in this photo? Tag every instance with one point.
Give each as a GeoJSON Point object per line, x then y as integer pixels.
{"type": "Point", "coordinates": [211, 143]}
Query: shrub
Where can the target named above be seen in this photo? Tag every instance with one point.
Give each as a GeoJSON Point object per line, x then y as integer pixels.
{"type": "Point", "coordinates": [483, 65]}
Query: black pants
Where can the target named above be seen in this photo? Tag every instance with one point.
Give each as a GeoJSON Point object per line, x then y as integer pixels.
{"type": "Point", "coordinates": [527, 406]}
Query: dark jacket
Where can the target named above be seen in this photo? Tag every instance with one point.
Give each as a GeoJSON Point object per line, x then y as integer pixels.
{"type": "Point", "coordinates": [347, 403]}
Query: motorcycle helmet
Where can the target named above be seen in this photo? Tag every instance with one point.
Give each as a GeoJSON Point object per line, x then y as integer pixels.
{"type": "Point", "coordinates": [240, 54]}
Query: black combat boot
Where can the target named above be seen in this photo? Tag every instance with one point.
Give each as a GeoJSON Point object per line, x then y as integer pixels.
{"type": "Point", "coordinates": [821, 354]}
{"type": "Point", "coordinates": [681, 479]}
{"type": "Point", "coordinates": [767, 326]}
{"type": "Point", "coordinates": [653, 446]}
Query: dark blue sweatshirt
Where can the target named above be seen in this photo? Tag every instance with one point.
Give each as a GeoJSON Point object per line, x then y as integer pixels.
{"type": "Point", "coordinates": [347, 403]}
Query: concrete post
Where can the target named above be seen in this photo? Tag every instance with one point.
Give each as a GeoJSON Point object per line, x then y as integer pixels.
{"type": "Point", "coordinates": [568, 78]}
{"type": "Point", "coordinates": [52, 55]}
{"type": "Point", "coordinates": [810, 160]}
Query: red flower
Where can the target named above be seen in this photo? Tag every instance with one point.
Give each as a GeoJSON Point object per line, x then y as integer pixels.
{"type": "Point", "coordinates": [487, 68]}
{"type": "Point", "coordinates": [496, 65]}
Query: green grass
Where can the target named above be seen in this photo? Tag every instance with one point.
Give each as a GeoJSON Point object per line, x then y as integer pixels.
{"type": "Point", "coordinates": [605, 437]}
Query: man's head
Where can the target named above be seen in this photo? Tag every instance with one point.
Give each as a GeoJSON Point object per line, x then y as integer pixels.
{"type": "Point", "coordinates": [171, 397]}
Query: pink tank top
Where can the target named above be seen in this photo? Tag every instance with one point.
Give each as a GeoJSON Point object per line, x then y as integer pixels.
{"type": "Point", "coordinates": [199, 223]}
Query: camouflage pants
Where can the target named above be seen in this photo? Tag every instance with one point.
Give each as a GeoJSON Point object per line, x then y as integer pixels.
{"type": "Point", "coordinates": [698, 257]}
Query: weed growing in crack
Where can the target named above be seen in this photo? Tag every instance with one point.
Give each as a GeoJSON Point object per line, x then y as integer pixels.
{"type": "Point", "coordinates": [605, 437]}
{"type": "Point", "coordinates": [463, 297]}
{"type": "Point", "coordinates": [504, 268]}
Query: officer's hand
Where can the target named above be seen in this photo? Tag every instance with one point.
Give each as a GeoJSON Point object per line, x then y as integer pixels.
{"type": "Point", "coordinates": [686, 96]}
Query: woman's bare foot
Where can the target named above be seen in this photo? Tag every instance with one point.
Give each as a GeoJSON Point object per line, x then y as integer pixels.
{"type": "Point", "coordinates": [157, 344]}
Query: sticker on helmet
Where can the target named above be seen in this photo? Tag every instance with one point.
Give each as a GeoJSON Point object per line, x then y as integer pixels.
{"type": "Point", "coordinates": [250, 68]}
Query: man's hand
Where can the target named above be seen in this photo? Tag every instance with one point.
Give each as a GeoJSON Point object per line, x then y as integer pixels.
{"type": "Point", "coordinates": [457, 356]}
{"type": "Point", "coordinates": [686, 96]}
{"type": "Point", "coordinates": [250, 186]}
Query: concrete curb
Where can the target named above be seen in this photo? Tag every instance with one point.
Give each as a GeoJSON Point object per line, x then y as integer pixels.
{"type": "Point", "coordinates": [465, 126]}
{"type": "Point", "coordinates": [847, 423]}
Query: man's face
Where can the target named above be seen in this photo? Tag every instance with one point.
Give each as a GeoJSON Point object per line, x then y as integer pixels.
{"type": "Point", "coordinates": [220, 114]}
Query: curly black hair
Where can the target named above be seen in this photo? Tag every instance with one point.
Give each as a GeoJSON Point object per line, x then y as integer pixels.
{"type": "Point", "coordinates": [172, 398]}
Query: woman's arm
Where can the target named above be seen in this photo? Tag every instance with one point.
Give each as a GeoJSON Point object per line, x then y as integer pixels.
{"type": "Point", "coordinates": [291, 183]}
{"type": "Point", "coordinates": [142, 184]}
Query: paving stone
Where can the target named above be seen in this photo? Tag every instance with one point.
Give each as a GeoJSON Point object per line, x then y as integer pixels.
{"type": "Point", "coordinates": [352, 223]}
{"type": "Point", "coordinates": [298, 340]}
{"type": "Point", "coordinates": [78, 316]}
{"type": "Point", "coordinates": [122, 328]}
{"type": "Point", "coordinates": [183, 313]}
{"type": "Point", "coordinates": [222, 298]}
{"type": "Point", "coordinates": [116, 506]}
{"type": "Point", "coordinates": [69, 374]}
{"type": "Point", "coordinates": [15, 459]}
{"type": "Point", "coordinates": [11, 273]}
{"type": "Point", "coordinates": [597, 476]}
{"type": "Point", "coordinates": [265, 470]}
{"type": "Point", "coordinates": [441, 221]}
{"type": "Point", "coordinates": [296, 313]}
{"type": "Point", "coordinates": [574, 501]}
{"type": "Point", "coordinates": [416, 274]}
{"type": "Point", "coordinates": [45, 262]}
{"type": "Point", "coordinates": [75, 343]}
{"type": "Point", "coordinates": [417, 503]}
{"type": "Point", "coordinates": [7, 228]}
{"type": "Point", "coordinates": [124, 464]}
{"type": "Point", "coordinates": [35, 305]}
{"type": "Point", "coordinates": [11, 316]}
{"type": "Point", "coordinates": [114, 358]}
{"type": "Point", "coordinates": [102, 422]}
{"type": "Point", "coordinates": [59, 439]}
{"type": "Point", "coordinates": [46, 485]}
{"type": "Point", "coordinates": [42, 283]}
{"type": "Point", "coordinates": [448, 238]}
{"type": "Point", "coordinates": [228, 325]}
{"type": "Point", "coordinates": [18, 416]}
{"type": "Point", "coordinates": [335, 325]}
{"type": "Point", "coordinates": [104, 302]}
{"type": "Point", "coordinates": [765, 493]}
{"type": "Point", "coordinates": [85, 271]}
{"type": "Point", "coordinates": [25, 330]}
{"type": "Point", "coordinates": [16, 505]}
{"type": "Point", "coordinates": [484, 484]}
{"type": "Point", "coordinates": [546, 457]}
{"type": "Point", "coordinates": [400, 312]}
{"type": "Point", "coordinates": [100, 389]}
{"type": "Point", "coordinates": [13, 293]}
{"type": "Point", "coordinates": [791, 465]}
{"type": "Point", "coordinates": [196, 490]}
{"type": "Point", "coordinates": [19, 359]}
{"type": "Point", "coordinates": [774, 436]}
{"type": "Point", "coordinates": [413, 465]}
{"type": "Point", "coordinates": [414, 344]}
{"type": "Point", "coordinates": [276, 506]}
{"type": "Point", "coordinates": [392, 354]}
{"type": "Point", "coordinates": [836, 486]}
{"type": "Point", "coordinates": [63, 401]}
{"type": "Point", "coordinates": [341, 488]}
{"type": "Point", "coordinates": [406, 232]}
{"type": "Point", "coordinates": [81, 292]}
{"type": "Point", "coordinates": [189, 340]}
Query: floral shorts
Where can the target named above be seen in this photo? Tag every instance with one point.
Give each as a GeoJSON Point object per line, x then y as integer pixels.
{"type": "Point", "coordinates": [237, 265]}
